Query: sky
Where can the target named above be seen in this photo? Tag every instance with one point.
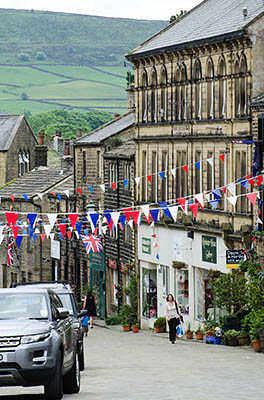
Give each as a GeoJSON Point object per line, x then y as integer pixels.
{"type": "Point", "coordinates": [137, 9]}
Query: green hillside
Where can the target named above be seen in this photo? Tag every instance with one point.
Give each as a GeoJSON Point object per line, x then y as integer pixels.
{"type": "Point", "coordinates": [66, 61]}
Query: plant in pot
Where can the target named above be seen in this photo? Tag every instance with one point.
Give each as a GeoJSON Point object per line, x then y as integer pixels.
{"type": "Point", "coordinates": [255, 339]}
{"type": "Point", "coordinates": [243, 338]}
{"type": "Point", "coordinates": [188, 331]}
{"type": "Point", "coordinates": [125, 316]}
{"type": "Point", "coordinates": [135, 327]}
{"type": "Point", "coordinates": [231, 337]}
{"type": "Point", "coordinates": [199, 333]}
{"type": "Point", "coordinates": [160, 324]}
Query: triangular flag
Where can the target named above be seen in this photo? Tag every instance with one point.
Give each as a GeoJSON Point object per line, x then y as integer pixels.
{"type": "Point", "coordinates": [232, 200]}
{"type": "Point", "coordinates": [102, 186]}
{"type": "Point", "coordinates": [200, 198]}
{"type": "Point", "coordinates": [154, 212]}
{"type": "Point", "coordinates": [194, 209]}
{"type": "Point", "coordinates": [121, 226]}
{"type": "Point", "coordinates": [69, 234]}
{"type": "Point", "coordinates": [135, 216]}
{"type": "Point", "coordinates": [164, 206]}
{"type": "Point", "coordinates": [93, 217]}
{"type": "Point", "coordinates": [52, 219]}
{"type": "Point", "coordinates": [37, 230]}
{"type": "Point", "coordinates": [115, 217]}
{"type": "Point", "coordinates": [15, 230]}
{"type": "Point", "coordinates": [252, 197]}
{"type": "Point", "coordinates": [31, 232]}
{"type": "Point", "coordinates": [259, 180]}
{"type": "Point", "coordinates": [182, 202]}
{"type": "Point", "coordinates": [217, 194]}
{"type": "Point", "coordinates": [79, 190]}
{"type": "Point", "coordinates": [52, 235]}
{"type": "Point", "coordinates": [47, 229]}
{"type": "Point", "coordinates": [40, 195]}
{"type": "Point", "coordinates": [161, 174]}
{"type": "Point", "coordinates": [32, 219]}
{"type": "Point", "coordinates": [223, 189]}
{"type": "Point", "coordinates": [67, 192]}
{"type": "Point", "coordinates": [104, 228]}
{"type": "Point", "coordinates": [54, 194]}
{"type": "Point", "coordinates": [19, 240]}
{"type": "Point", "coordinates": [73, 218]}
{"type": "Point", "coordinates": [173, 171]}
{"type": "Point", "coordinates": [127, 212]}
{"type": "Point", "coordinates": [42, 237]}
{"type": "Point", "coordinates": [145, 209]}
{"type": "Point", "coordinates": [78, 227]}
{"type": "Point", "coordinates": [125, 183]}
{"type": "Point", "coordinates": [259, 221]}
{"type": "Point", "coordinates": [149, 178]}
{"type": "Point", "coordinates": [2, 227]}
{"type": "Point", "coordinates": [11, 218]}
{"type": "Point", "coordinates": [210, 161]}
{"type": "Point", "coordinates": [214, 203]}
{"type": "Point", "coordinates": [244, 183]}
{"type": "Point", "coordinates": [62, 229]}
{"type": "Point", "coordinates": [137, 180]}
{"type": "Point", "coordinates": [59, 196]}
{"type": "Point", "coordinates": [131, 223]}
{"type": "Point", "coordinates": [198, 165]}
{"type": "Point", "coordinates": [113, 184]}
{"type": "Point", "coordinates": [222, 156]}
{"type": "Point", "coordinates": [12, 197]}
{"type": "Point", "coordinates": [1, 238]}
{"type": "Point", "coordinates": [208, 196]}
{"type": "Point", "coordinates": [122, 220]}
{"type": "Point", "coordinates": [157, 257]}
{"type": "Point", "coordinates": [232, 188]}
{"type": "Point", "coordinates": [90, 188]}
{"type": "Point", "coordinates": [25, 197]}
{"type": "Point", "coordinates": [174, 212]}
{"type": "Point", "coordinates": [185, 167]}
{"type": "Point", "coordinates": [251, 181]}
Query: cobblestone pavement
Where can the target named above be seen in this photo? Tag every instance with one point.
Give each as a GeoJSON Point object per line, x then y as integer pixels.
{"type": "Point", "coordinates": [146, 366]}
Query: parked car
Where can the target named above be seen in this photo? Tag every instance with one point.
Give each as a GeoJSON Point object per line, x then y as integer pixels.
{"type": "Point", "coordinates": [38, 344]}
{"type": "Point", "coordinates": [66, 295]}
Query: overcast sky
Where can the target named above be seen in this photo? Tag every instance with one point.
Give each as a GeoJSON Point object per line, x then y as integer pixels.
{"type": "Point", "coordinates": [139, 9]}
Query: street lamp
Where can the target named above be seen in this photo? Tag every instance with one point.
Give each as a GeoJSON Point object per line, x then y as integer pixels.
{"type": "Point", "coordinates": [90, 207]}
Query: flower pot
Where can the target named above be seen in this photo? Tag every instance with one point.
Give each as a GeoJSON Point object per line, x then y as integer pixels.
{"type": "Point", "coordinates": [126, 328]}
{"type": "Point", "coordinates": [256, 346]}
{"type": "Point", "coordinates": [189, 335]}
{"type": "Point", "coordinates": [135, 329]}
{"type": "Point", "coordinates": [232, 342]}
{"type": "Point", "coordinates": [209, 334]}
{"type": "Point", "coordinates": [243, 340]}
{"type": "Point", "coordinates": [160, 329]}
{"type": "Point", "coordinates": [199, 336]}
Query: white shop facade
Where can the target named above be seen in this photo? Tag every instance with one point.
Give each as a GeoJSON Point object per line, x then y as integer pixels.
{"type": "Point", "coordinates": [177, 261]}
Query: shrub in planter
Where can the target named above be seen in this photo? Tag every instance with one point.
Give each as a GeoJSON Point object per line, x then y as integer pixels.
{"type": "Point", "coordinates": [243, 338]}
{"type": "Point", "coordinates": [199, 333]}
{"type": "Point", "coordinates": [231, 337]}
{"type": "Point", "coordinates": [188, 331]}
{"type": "Point", "coordinates": [160, 324]}
{"type": "Point", "coordinates": [125, 315]}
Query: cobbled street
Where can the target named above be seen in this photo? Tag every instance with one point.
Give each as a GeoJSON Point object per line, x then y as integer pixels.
{"type": "Point", "coordinates": [139, 366]}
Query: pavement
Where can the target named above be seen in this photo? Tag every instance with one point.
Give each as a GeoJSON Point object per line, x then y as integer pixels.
{"type": "Point", "coordinates": [142, 366]}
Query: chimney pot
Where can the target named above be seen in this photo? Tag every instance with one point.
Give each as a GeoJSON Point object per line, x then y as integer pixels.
{"type": "Point", "coordinates": [79, 132]}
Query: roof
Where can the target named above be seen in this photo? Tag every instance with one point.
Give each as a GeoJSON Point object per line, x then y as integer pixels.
{"type": "Point", "coordinates": [9, 125]}
{"type": "Point", "coordinates": [211, 18]}
{"type": "Point", "coordinates": [126, 150]}
{"type": "Point", "coordinates": [105, 131]}
{"type": "Point", "coordinates": [35, 182]}
{"type": "Point", "coordinates": [258, 101]}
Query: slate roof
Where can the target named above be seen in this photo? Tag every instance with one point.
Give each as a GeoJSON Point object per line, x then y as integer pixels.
{"type": "Point", "coordinates": [211, 18]}
{"type": "Point", "coordinates": [9, 125]}
{"type": "Point", "coordinates": [105, 131]}
{"type": "Point", "coordinates": [126, 150]}
{"type": "Point", "coordinates": [40, 180]}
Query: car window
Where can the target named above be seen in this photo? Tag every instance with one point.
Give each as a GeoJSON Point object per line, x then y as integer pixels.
{"type": "Point", "coordinates": [23, 306]}
{"type": "Point", "coordinates": [67, 302]}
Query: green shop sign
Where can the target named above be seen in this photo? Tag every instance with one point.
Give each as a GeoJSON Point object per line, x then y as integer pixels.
{"type": "Point", "coordinates": [209, 249]}
{"type": "Point", "coordinates": [146, 245]}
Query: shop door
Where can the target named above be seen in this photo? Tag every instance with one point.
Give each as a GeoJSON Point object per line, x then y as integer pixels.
{"type": "Point", "coordinates": [97, 282]}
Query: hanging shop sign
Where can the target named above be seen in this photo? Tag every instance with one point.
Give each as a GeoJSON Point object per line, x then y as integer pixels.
{"type": "Point", "coordinates": [234, 258]}
{"type": "Point", "coordinates": [55, 249]}
{"type": "Point", "coordinates": [146, 245]}
{"type": "Point", "coordinates": [209, 251]}
{"type": "Point", "coordinates": [112, 263]}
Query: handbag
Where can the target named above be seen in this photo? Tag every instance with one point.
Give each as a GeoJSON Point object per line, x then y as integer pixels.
{"type": "Point", "coordinates": [179, 320]}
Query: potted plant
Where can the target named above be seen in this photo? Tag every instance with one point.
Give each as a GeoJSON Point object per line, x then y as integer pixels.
{"type": "Point", "coordinates": [160, 324]}
{"type": "Point", "coordinates": [188, 331]}
{"type": "Point", "coordinates": [243, 338]}
{"type": "Point", "coordinates": [199, 333]}
{"type": "Point", "coordinates": [125, 317]}
{"type": "Point", "coordinates": [231, 337]}
{"type": "Point", "coordinates": [255, 339]}
{"type": "Point", "coordinates": [135, 327]}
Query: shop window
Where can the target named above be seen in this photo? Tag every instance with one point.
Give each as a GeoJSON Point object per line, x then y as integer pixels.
{"type": "Point", "coordinates": [182, 290]}
{"type": "Point", "coordinates": [203, 295]}
{"type": "Point", "coordinates": [115, 282]}
{"type": "Point", "coordinates": [149, 293]}
{"type": "Point", "coordinates": [165, 280]}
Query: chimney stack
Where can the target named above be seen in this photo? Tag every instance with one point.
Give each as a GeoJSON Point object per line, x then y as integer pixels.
{"type": "Point", "coordinates": [79, 132]}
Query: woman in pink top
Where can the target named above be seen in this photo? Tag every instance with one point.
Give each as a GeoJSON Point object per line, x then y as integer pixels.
{"type": "Point", "coordinates": [173, 317]}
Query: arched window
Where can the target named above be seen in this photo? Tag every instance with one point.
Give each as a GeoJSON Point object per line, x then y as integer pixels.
{"type": "Point", "coordinates": [243, 86]}
{"type": "Point", "coordinates": [26, 161]}
{"type": "Point", "coordinates": [144, 99]}
{"type": "Point", "coordinates": [154, 96]}
{"type": "Point", "coordinates": [178, 96]}
{"type": "Point", "coordinates": [184, 100]}
{"type": "Point", "coordinates": [198, 89]}
{"type": "Point", "coordinates": [222, 89]}
{"type": "Point", "coordinates": [210, 90]}
{"type": "Point", "coordinates": [237, 90]}
{"type": "Point", "coordinates": [164, 95]}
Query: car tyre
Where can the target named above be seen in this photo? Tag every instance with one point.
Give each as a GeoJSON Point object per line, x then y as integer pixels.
{"type": "Point", "coordinates": [81, 360]}
{"type": "Point", "coordinates": [53, 390]}
{"type": "Point", "coordinates": [71, 381]}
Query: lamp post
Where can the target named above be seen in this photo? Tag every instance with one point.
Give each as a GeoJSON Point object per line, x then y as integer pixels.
{"type": "Point", "coordinates": [74, 247]}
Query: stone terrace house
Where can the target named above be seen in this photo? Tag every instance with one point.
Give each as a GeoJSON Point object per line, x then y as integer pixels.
{"type": "Point", "coordinates": [194, 82]}
{"type": "Point", "coordinates": [119, 166]}
{"type": "Point", "coordinates": [90, 177]}
{"type": "Point", "coordinates": [19, 150]}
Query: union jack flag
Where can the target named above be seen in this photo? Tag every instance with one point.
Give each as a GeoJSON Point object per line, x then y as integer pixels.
{"type": "Point", "coordinates": [10, 258]}
{"type": "Point", "coordinates": [92, 244]}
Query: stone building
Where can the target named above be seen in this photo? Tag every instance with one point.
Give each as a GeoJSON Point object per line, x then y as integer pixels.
{"type": "Point", "coordinates": [194, 82]}
{"type": "Point", "coordinates": [92, 178]}
{"type": "Point", "coordinates": [19, 149]}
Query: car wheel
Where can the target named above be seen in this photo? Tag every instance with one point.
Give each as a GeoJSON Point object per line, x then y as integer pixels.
{"type": "Point", "coordinates": [71, 381]}
{"type": "Point", "coordinates": [81, 360]}
{"type": "Point", "coordinates": [53, 390]}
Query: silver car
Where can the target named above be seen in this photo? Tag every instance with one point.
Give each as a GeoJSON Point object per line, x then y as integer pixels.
{"type": "Point", "coordinates": [38, 344]}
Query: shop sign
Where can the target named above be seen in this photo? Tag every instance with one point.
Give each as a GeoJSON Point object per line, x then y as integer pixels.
{"type": "Point", "coordinates": [234, 258]}
{"type": "Point", "coordinates": [124, 268]}
{"type": "Point", "coordinates": [112, 263]}
{"type": "Point", "coordinates": [146, 245]}
{"type": "Point", "coordinates": [209, 249]}
{"type": "Point", "coordinates": [55, 249]}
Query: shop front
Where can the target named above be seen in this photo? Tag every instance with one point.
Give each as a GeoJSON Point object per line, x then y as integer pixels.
{"type": "Point", "coordinates": [171, 261]}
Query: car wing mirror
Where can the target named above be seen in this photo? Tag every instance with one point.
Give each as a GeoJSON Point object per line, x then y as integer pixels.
{"type": "Point", "coordinates": [63, 313]}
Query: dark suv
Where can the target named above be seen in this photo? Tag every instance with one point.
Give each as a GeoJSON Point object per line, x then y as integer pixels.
{"type": "Point", "coordinates": [38, 344]}
{"type": "Point", "coordinates": [66, 295]}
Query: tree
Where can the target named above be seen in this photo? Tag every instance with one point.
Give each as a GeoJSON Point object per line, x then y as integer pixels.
{"type": "Point", "coordinates": [178, 17]}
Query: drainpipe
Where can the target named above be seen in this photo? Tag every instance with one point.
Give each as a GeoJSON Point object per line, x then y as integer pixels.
{"type": "Point", "coordinates": [40, 245]}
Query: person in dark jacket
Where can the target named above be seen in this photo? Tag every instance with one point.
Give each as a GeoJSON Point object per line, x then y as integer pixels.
{"type": "Point", "coordinates": [89, 304]}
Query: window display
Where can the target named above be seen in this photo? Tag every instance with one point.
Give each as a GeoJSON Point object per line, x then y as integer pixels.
{"type": "Point", "coordinates": [149, 293]}
{"type": "Point", "coordinates": [182, 290]}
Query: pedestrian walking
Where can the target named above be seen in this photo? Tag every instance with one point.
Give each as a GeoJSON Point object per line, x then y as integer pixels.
{"type": "Point", "coordinates": [173, 317]}
{"type": "Point", "coordinates": [89, 304]}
